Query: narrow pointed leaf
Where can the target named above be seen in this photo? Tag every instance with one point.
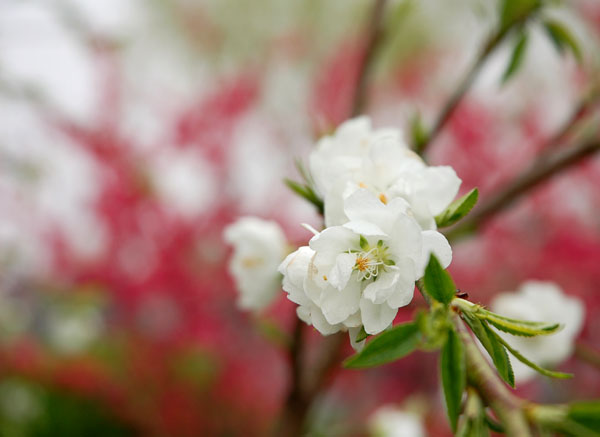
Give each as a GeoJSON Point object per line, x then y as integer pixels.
{"type": "Point", "coordinates": [457, 209]}
{"type": "Point", "coordinates": [514, 11]}
{"type": "Point", "coordinates": [389, 346]}
{"type": "Point", "coordinates": [437, 281]}
{"type": "Point", "coordinates": [496, 351]}
{"type": "Point", "coordinates": [453, 375]}
{"type": "Point", "coordinates": [361, 335]}
{"type": "Point", "coordinates": [562, 38]}
{"type": "Point", "coordinates": [521, 358]}
{"type": "Point", "coordinates": [520, 328]}
{"type": "Point", "coordinates": [418, 132]}
{"type": "Point", "coordinates": [516, 59]}
{"type": "Point", "coordinates": [307, 193]}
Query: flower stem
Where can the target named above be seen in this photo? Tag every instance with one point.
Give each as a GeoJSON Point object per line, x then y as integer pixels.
{"type": "Point", "coordinates": [482, 378]}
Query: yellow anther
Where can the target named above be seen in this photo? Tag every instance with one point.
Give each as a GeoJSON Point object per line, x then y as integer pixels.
{"type": "Point", "coordinates": [362, 263]}
{"type": "Point", "coordinates": [383, 198]}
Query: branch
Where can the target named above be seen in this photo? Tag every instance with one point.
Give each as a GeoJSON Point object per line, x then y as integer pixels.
{"type": "Point", "coordinates": [374, 35]}
{"type": "Point", "coordinates": [588, 354]}
{"type": "Point", "coordinates": [580, 111]}
{"type": "Point", "coordinates": [481, 377]}
{"type": "Point", "coordinates": [538, 172]}
{"type": "Point", "coordinates": [456, 97]}
{"type": "Point", "coordinates": [295, 408]}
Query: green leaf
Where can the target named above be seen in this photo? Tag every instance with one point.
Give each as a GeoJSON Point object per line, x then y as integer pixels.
{"type": "Point", "coordinates": [514, 11]}
{"type": "Point", "coordinates": [307, 193]}
{"type": "Point", "coordinates": [453, 375]}
{"type": "Point", "coordinates": [516, 58]}
{"type": "Point", "coordinates": [438, 282]}
{"type": "Point", "coordinates": [457, 209]}
{"type": "Point", "coordinates": [521, 358]}
{"type": "Point", "coordinates": [585, 414]}
{"type": "Point", "coordinates": [364, 244]}
{"type": "Point", "coordinates": [362, 334]}
{"type": "Point", "coordinates": [496, 351]}
{"type": "Point", "coordinates": [562, 38]}
{"type": "Point", "coordinates": [521, 328]}
{"type": "Point", "coordinates": [389, 346]}
{"type": "Point", "coordinates": [418, 132]}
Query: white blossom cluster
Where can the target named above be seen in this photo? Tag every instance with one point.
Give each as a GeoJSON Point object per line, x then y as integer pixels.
{"type": "Point", "coordinates": [380, 200]}
{"type": "Point", "coordinates": [380, 203]}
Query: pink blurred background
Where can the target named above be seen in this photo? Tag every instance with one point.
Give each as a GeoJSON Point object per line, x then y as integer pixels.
{"type": "Point", "coordinates": [132, 132]}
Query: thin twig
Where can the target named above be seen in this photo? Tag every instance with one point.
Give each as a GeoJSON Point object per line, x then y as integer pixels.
{"type": "Point", "coordinates": [579, 112]}
{"type": "Point", "coordinates": [467, 81]}
{"type": "Point", "coordinates": [587, 354]}
{"type": "Point", "coordinates": [539, 171]}
{"type": "Point", "coordinates": [374, 34]}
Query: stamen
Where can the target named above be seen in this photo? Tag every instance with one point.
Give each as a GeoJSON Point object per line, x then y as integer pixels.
{"type": "Point", "coordinates": [383, 198]}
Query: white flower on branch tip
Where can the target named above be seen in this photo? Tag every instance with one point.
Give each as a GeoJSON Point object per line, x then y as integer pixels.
{"type": "Point", "coordinates": [360, 273]}
{"type": "Point", "coordinates": [391, 421]}
{"type": "Point", "coordinates": [541, 302]}
{"type": "Point", "coordinates": [378, 160]}
{"type": "Point", "coordinates": [259, 247]}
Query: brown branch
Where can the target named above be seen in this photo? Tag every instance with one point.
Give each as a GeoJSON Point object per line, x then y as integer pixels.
{"type": "Point", "coordinates": [582, 108]}
{"type": "Point", "coordinates": [295, 408]}
{"type": "Point", "coordinates": [467, 81]}
{"type": "Point", "coordinates": [374, 35]}
{"type": "Point", "coordinates": [588, 354]}
{"type": "Point", "coordinates": [538, 172]}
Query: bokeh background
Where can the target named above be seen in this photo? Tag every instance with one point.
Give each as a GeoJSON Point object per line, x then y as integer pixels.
{"type": "Point", "coordinates": [132, 132]}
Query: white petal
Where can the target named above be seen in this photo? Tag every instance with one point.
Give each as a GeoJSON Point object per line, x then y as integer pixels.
{"type": "Point", "coordinates": [441, 187]}
{"type": "Point", "coordinates": [405, 286]}
{"type": "Point", "coordinates": [341, 271]}
{"type": "Point", "coordinates": [353, 321]}
{"type": "Point", "coordinates": [333, 241]}
{"type": "Point", "coordinates": [365, 228]}
{"type": "Point", "coordinates": [337, 305]}
{"type": "Point", "coordinates": [436, 243]}
{"type": "Point", "coordinates": [379, 290]}
{"type": "Point", "coordinates": [376, 317]}
{"type": "Point", "coordinates": [320, 323]}
{"type": "Point", "coordinates": [334, 204]}
{"type": "Point", "coordinates": [362, 205]}
{"type": "Point", "coordinates": [406, 240]}
{"type": "Point", "coordinates": [401, 297]}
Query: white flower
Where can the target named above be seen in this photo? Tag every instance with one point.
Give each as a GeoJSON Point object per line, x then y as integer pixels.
{"type": "Point", "coordinates": [259, 247]}
{"type": "Point", "coordinates": [356, 157]}
{"type": "Point", "coordinates": [360, 273]}
{"type": "Point", "coordinates": [541, 302]}
{"type": "Point", "coordinates": [390, 421]}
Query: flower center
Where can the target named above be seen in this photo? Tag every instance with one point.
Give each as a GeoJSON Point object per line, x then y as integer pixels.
{"type": "Point", "coordinates": [371, 260]}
